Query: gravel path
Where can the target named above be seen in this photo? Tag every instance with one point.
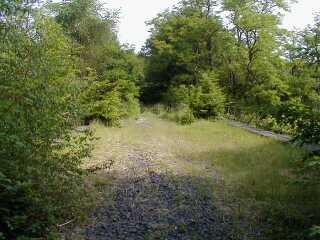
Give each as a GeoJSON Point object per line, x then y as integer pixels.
{"type": "Point", "coordinates": [152, 200]}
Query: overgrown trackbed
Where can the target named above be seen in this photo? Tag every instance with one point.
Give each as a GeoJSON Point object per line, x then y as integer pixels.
{"type": "Point", "coordinates": [156, 194]}
{"type": "Point", "coordinates": [155, 189]}
{"type": "Point", "coordinates": [164, 184]}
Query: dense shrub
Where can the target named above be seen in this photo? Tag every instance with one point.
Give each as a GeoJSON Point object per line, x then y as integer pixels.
{"type": "Point", "coordinates": [303, 119]}
{"type": "Point", "coordinates": [103, 105]}
{"type": "Point", "coordinates": [40, 174]}
{"type": "Point", "coordinates": [309, 128]}
{"type": "Point", "coordinates": [182, 115]}
{"type": "Point", "coordinates": [114, 94]}
{"type": "Point", "coordinates": [207, 99]}
{"type": "Point", "coordinates": [292, 117]}
{"type": "Point", "coordinates": [203, 100]}
{"type": "Point", "coordinates": [110, 101]}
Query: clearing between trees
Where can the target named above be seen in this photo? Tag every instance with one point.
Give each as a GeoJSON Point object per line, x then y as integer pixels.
{"type": "Point", "coordinates": [204, 181]}
{"type": "Point", "coordinates": [63, 66]}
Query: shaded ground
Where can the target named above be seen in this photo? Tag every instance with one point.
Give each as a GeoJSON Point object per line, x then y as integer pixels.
{"type": "Point", "coordinates": [157, 207]}
{"type": "Point", "coordinates": [203, 181]}
{"type": "Point", "coordinates": [153, 196]}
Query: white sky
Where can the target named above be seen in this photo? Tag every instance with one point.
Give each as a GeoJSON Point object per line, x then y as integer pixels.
{"type": "Point", "coordinates": [134, 13]}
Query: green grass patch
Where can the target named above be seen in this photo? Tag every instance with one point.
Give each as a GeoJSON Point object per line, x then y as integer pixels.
{"type": "Point", "coordinates": [253, 177]}
{"type": "Point", "coordinates": [260, 178]}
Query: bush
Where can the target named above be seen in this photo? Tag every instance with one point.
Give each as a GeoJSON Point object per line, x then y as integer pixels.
{"type": "Point", "coordinates": [40, 174]}
{"type": "Point", "coordinates": [308, 128]}
{"type": "Point", "coordinates": [269, 123]}
{"type": "Point", "coordinates": [292, 111]}
{"type": "Point", "coordinates": [184, 115]}
{"type": "Point", "coordinates": [207, 100]}
{"type": "Point", "coordinates": [204, 100]}
{"type": "Point", "coordinates": [129, 94]}
{"type": "Point", "coordinates": [303, 119]}
{"type": "Point", "coordinates": [103, 102]}
{"type": "Point", "coordinates": [110, 100]}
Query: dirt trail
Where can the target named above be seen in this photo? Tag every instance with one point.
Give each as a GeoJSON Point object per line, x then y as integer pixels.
{"type": "Point", "coordinates": [153, 196]}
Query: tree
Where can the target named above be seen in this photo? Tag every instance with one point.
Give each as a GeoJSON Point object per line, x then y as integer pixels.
{"type": "Point", "coordinates": [112, 71]}
{"type": "Point", "coordinates": [303, 55]}
{"type": "Point", "coordinates": [184, 43]}
{"type": "Point", "coordinates": [39, 110]}
{"type": "Point", "coordinates": [255, 25]}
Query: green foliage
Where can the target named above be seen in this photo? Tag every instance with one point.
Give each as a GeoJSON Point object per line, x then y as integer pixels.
{"type": "Point", "coordinates": [303, 119]}
{"type": "Point", "coordinates": [86, 21]}
{"type": "Point", "coordinates": [105, 107]}
{"type": "Point", "coordinates": [274, 83]}
{"type": "Point", "coordinates": [207, 99]}
{"type": "Point", "coordinates": [184, 44]}
{"type": "Point", "coordinates": [40, 177]}
{"type": "Point", "coordinates": [309, 128]}
{"type": "Point", "coordinates": [312, 165]}
{"type": "Point", "coordinates": [114, 71]}
{"type": "Point", "coordinates": [63, 65]}
{"type": "Point", "coordinates": [191, 40]}
{"type": "Point", "coordinates": [55, 72]}
{"type": "Point", "coordinates": [110, 102]}
{"type": "Point", "coordinates": [185, 116]}
{"type": "Point", "coordinates": [177, 96]}
{"type": "Point", "coordinates": [181, 114]}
